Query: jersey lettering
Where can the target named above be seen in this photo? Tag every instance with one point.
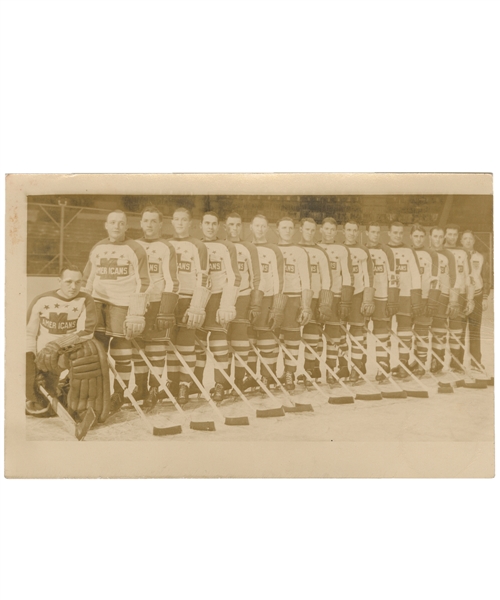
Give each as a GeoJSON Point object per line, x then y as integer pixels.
{"type": "Point", "coordinates": [109, 269]}
{"type": "Point", "coordinates": [154, 268]}
{"type": "Point", "coordinates": [355, 268]}
{"type": "Point", "coordinates": [443, 269]}
{"type": "Point", "coordinates": [378, 268]}
{"type": "Point", "coordinates": [58, 323]}
{"type": "Point", "coordinates": [314, 268]}
{"type": "Point", "coordinates": [184, 265]}
{"type": "Point", "coordinates": [401, 268]}
{"type": "Point", "coordinates": [265, 268]}
{"type": "Point", "coordinates": [289, 268]}
{"type": "Point", "coordinates": [421, 270]}
{"type": "Point", "coordinates": [333, 266]}
{"type": "Point", "coordinates": [241, 265]}
{"type": "Point", "coordinates": [460, 268]}
{"type": "Point", "coordinates": [215, 266]}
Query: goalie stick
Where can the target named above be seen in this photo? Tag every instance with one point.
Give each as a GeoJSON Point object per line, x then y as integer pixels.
{"type": "Point", "coordinates": [79, 430]}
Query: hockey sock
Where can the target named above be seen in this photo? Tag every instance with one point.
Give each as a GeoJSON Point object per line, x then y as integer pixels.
{"type": "Point", "coordinates": [358, 343]}
{"type": "Point", "coordinates": [381, 333]}
{"type": "Point", "coordinates": [121, 353]}
{"type": "Point", "coordinates": [421, 342]}
{"type": "Point", "coordinates": [438, 330]}
{"type": "Point", "coordinates": [156, 352]}
{"type": "Point", "coordinates": [405, 337]}
{"type": "Point", "coordinates": [269, 350]}
{"type": "Point", "coordinates": [291, 339]}
{"type": "Point", "coordinates": [185, 347]}
{"type": "Point", "coordinates": [201, 357]}
{"type": "Point", "coordinates": [218, 346]}
{"type": "Point", "coordinates": [332, 333]}
{"type": "Point", "coordinates": [238, 337]}
{"type": "Point", "coordinates": [311, 334]}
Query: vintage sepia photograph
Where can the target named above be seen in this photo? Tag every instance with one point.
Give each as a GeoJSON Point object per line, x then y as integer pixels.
{"type": "Point", "coordinates": [339, 315]}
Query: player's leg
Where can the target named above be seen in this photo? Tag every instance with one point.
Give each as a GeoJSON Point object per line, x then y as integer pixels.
{"type": "Point", "coordinates": [421, 328]}
{"type": "Point", "coordinates": [311, 334]}
{"type": "Point", "coordinates": [456, 326]}
{"type": "Point", "coordinates": [381, 325]}
{"type": "Point", "coordinates": [237, 335]}
{"type": "Point", "coordinates": [358, 336]}
{"type": "Point", "coordinates": [120, 350]}
{"type": "Point", "coordinates": [405, 335]}
{"type": "Point", "coordinates": [474, 321]}
{"type": "Point", "coordinates": [439, 330]}
{"type": "Point", "coordinates": [290, 334]}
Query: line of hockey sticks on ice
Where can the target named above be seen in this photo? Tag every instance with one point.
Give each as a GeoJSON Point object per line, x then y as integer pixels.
{"type": "Point", "coordinates": [226, 420]}
{"type": "Point", "coordinates": [443, 386]}
{"type": "Point", "coordinates": [295, 406]}
{"type": "Point", "coordinates": [378, 394]}
{"type": "Point", "coordinates": [490, 380]}
{"type": "Point", "coordinates": [196, 425]}
{"type": "Point", "coordinates": [79, 430]}
{"type": "Point", "coordinates": [159, 431]}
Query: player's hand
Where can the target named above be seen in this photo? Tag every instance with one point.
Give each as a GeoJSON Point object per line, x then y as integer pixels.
{"type": "Point", "coordinates": [305, 315]}
{"type": "Point", "coordinates": [194, 317]}
{"type": "Point", "coordinates": [469, 307]}
{"type": "Point", "coordinates": [225, 316]}
{"type": "Point", "coordinates": [164, 322]}
{"type": "Point", "coordinates": [133, 326]}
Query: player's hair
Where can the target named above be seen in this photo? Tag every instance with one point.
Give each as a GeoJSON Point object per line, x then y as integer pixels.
{"type": "Point", "coordinates": [210, 213]}
{"type": "Point", "coordinates": [330, 220]}
{"type": "Point", "coordinates": [351, 222]}
{"type": "Point", "coordinates": [151, 208]}
{"type": "Point", "coordinates": [260, 216]}
{"type": "Point", "coordinates": [184, 210]}
{"type": "Point", "coordinates": [372, 224]}
{"type": "Point", "coordinates": [233, 215]}
{"type": "Point", "coordinates": [416, 227]}
{"type": "Point", "coordinates": [395, 224]}
{"type": "Point", "coordinates": [469, 231]}
{"type": "Point", "coordinates": [436, 228]}
{"type": "Point", "coordinates": [281, 219]}
{"type": "Point", "coordinates": [116, 210]}
{"type": "Point", "coordinates": [69, 268]}
{"type": "Point", "coordinates": [452, 226]}
{"type": "Point", "coordinates": [307, 220]}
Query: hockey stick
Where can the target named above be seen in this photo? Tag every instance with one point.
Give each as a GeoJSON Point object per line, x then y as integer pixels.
{"type": "Point", "coordinates": [349, 399]}
{"type": "Point", "coordinates": [79, 430]}
{"type": "Point", "coordinates": [215, 408]}
{"type": "Point", "coordinates": [159, 431]}
{"type": "Point", "coordinates": [295, 406]}
{"type": "Point", "coordinates": [378, 394]}
{"type": "Point", "coordinates": [196, 425]}
{"type": "Point", "coordinates": [490, 380]}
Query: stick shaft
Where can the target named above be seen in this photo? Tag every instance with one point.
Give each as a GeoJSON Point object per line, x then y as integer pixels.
{"type": "Point", "coordinates": [417, 360]}
{"type": "Point", "coordinates": [273, 375]}
{"type": "Point", "coordinates": [480, 367]}
{"type": "Point", "coordinates": [328, 368]}
{"type": "Point", "coordinates": [59, 409]}
{"type": "Point", "coordinates": [254, 375]}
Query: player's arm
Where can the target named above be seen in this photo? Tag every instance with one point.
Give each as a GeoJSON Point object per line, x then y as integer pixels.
{"type": "Point", "coordinates": [454, 302]}
{"type": "Point", "coordinates": [227, 308]}
{"type": "Point", "coordinates": [277, 311]}
{"type": "Point", "coordinates": [368, 304]}
{"type": "Point", "coordinates": [32, 325]}
{"type": "Point", "coordinates": [417, 306]}
{"type": "Point", "coordinates": [195, 314]}
{"type": "Point", "coordinates": [89, 275]}
{"type": "Point", "coordinates": [200, 263]}
{"type": "Point", "coordinates": [304, 268]}
{"type": "Point", "coordinates": [135, 320]}
{"type": "Point", "coordinates": [347, 291]}
{"type": "Point", "coordinates": [278, 268]}
{"type": "Point", "coordinates": [486, 276]}
{"type": "Point", "coordinates": [89, 320]}
{"type": "Point", "coordinates": [392, 306]}
{"type": "Point", "coordinates": [256, 295]}
{"type": "Point", "coordinates": [434, 292]}
{"type": "Point", "coordinates": [325, 300]}
{"type": "Point", "coordinates": [169, 266]}
{"type": "Point", "coordinates": [469, 285]}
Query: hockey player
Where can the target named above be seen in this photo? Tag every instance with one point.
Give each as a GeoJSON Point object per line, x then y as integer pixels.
{"type": "Point", "coordinates": [357, 301]}
{"type": "Point", "coordinates": [465, 299]}
{"type": "Point", "coordinates": [273, 304]}
{"type": "Point", "coordinates": [410, 293]}
{"type": "Point", "coordinates": [224, 281]}
{"type": "Point", "coordinates": [341, 278]}
{"type": "Point", "coordinates": [429, 266]}
{"type": "Point", "coordinates": [56, 321]}
{"type": "Point", "coordinates": [480, 279]}
{"type": "Point", "coordinates": [322, 302]}
{"type": "Point", "coordinates": [163, 297]}
{"type": "Point", "coordinates": [386, 297]}
{"type": "Point", "coordinates": [117, 277]}
{"type": "Point", "coordinates": [192, 273]}
{"type": "Point", "coordinates": [297, 288]}
{"type": "Point", "coordinates": [250, 296]}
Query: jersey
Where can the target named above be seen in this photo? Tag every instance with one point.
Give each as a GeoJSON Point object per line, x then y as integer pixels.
{"type": "Point", "coordinates": [461, 268]}
{"type": "Point", "coordinates": [384, 274]}
{"type": "Point", "coordinates": [50, 316]}
{"type": "Point", "coordinates": [297, 269]}
{"type": "Point", "coordinates": [272, 268]}
{"type": "Point", "coordinates": [222, 265]}
{"type": "Point", "coordinates": [407, 269]}
{"type": "Point", "coordinates": [116, 270]}
{"type": "Point", "coordinates": [192, 264]}
{"type": "Point", "coordinates": [362, 267]}
{"type": "Point", "coordinates": [248, 266]}
{"type": "Point", "coordinates": [480, 273]}
{"type": "Point", "coordinates": [428, 262]}
{"type": "Point", "coordinates": [320, 268]}
{"type": "Point", "coordinates": [446, 271]}
{"type": "Point", "coordinates": [340, 266]}
{"type": "Point", "coordinates": [162, 263]}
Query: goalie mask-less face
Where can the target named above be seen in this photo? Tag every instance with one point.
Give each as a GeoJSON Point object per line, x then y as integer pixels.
{"type": "Point", "coordinates": [151, 225]}
{"type": "Point", "coordinates": [70, 284]}
{"type": "Point", "coordinates": [116, 226]}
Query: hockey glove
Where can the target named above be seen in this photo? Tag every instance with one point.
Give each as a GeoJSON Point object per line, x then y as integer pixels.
{"type": "Point", "coordinates": [325, 306]}
{"type": "Point", "coordinates": [368, 304]}
{"type": "Point", "coordinates": [433, 302]}
{"type": "Point", "coordinates": [453, 309]}
{"type": "Point", "coordinates": [392, 306]}
{"type": "Point", "coordinates": [306, 313]}
{"type": "Point", "coordinates": [277, 312]}
{"type": "Point", "coordinates": [195, 314]}
{"type": "Point", "coordinates": [134, 321]}
{"type": "Point", "coordinates": [345, 302]}
{"type": "Point", "coordinates": [256, 297]}
{"type": "Point", "coordinates": [417, 308]}
{"type": "Point", "coordinates": [48, 358]}
{"type": "Point", "coordinates": [227, 306]}
{"type": "Point", "coordinates": [165, 319]}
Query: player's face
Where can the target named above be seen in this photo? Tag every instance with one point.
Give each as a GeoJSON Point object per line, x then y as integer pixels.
{"type": "Point", "coordinates": [396, 235]}
{"type": "Point", "coordinates": [468, 241]}
{"type": "Point", "coordinates": [285, 231]}
{"type": "Point", "coordinates": [351, 231]}
{"type": "Point", "coordinates": [437, 239]}
{"type": "Point", "coordinates": [308, 231]}
{"type": "Point", "coordinates": [233, 228]}
{"type": "Point", "coordinates": [70, 284]}
{"type": "Point", "coordinates": [181, 223]}
{"type": "Point", "coordinates": [209, 227]}
{"type": "Point", "coordinates": [328, 233]}
{"type": "Point", "coordinates": [418, 239]}
{"type": "Point", "coordinates": [259, 228]}
{"type": "Point", "coordinates": [116, 226]}
{"type": "Point", "coordinates": [451, 237]}
{"type": "Point", "coordinates": [151, 225]}
{"type": "Point", "coordinates": [373, 234]}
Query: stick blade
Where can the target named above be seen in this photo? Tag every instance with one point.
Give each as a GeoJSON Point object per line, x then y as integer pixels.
{"type": "Point", "coordinates": [445, 389]}
{"type": "Point", "coordinates": [236, 421]}
{"type": "Point", "coordinates": [341, 400]}
{"type": "Point", "coordinates": [82, 428]}
{"type": "Point", "coordinates": [202, 425]}
{"type": "Point", "coordinates": [270, 412]}
{"type": "Point", "coordinates": [476, 385]}
{"type": "Point", "coordinates": [298, 408]}
{"type": "Point", "coordinates": [417, 393]}
{"type": "Point", "coordinates": [394, 394]}
{"type": "Point", "coordinates": [490, 381]}
{"type": "Point", "coordinates": [172, 430]}
{"type": "Point", "coordinates": [374, 396]}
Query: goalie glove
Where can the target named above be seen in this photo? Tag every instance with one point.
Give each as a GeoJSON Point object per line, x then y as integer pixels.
{"type": "Point", "coordinates": [277, 312]}
{"type": "Point", "coordinates": [135, 321]}
{"type": "Point", "coordinates": [256, 297]}
{"type": "Point", "coordinates": [165, 318]}
{"type": "Point", "coordinates": [368, 304]}
{"type": "Point", "coordinates": [227, 306]}
{"type": "Point", "coordinates": [325, 306]}
{"type": "Point", "coordinates": [392, 306]}
{"type": "Point", "coordinates": [453, 309]}
{"type": "Point", "coordinates": [306, 313]}
{"type": "Point", "coordinates": [195, 314]}
{"type": "Point", "coordinates": [433, 302]}
{"type": "Point", "coordinates": [345, 302]}
{"type": "Point", "coordinates": [417, 307]}
{"type": "Point", "coordinates": [48, 358]}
